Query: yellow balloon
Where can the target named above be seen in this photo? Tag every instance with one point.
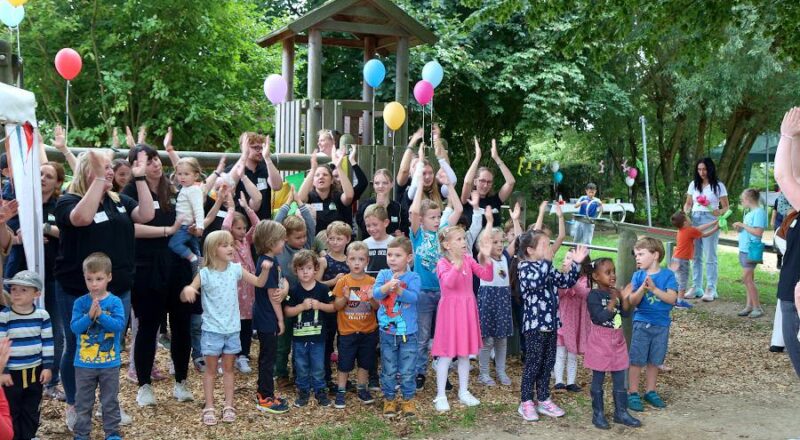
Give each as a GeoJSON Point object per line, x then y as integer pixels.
{"type": "Point", "coordinates": [394, 114]}
{"type": "Point", "coordinates": [18, 2]}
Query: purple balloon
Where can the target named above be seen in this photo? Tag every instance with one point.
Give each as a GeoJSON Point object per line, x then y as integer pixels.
{"type": "Point", "coordinates": [275, 88]}
{"type": "Point", "coordinates": [423, 92]}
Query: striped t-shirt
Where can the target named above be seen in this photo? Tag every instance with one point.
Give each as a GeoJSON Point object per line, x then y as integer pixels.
{"type": "Point", "coordinates": [31, 338]}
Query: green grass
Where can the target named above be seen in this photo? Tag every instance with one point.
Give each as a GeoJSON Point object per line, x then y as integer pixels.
{"type": "Point", "coordinates": [730, 285]}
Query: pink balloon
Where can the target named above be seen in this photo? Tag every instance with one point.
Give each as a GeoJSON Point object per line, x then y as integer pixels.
{"type": "Point", "coordinates": [633, 172]}
{"type": "Point", "coordinates": [68, 63]}
{"type": "Point", "coordinates": [275, 88]}
{"type": "Point", "coordinates": [423, 92]}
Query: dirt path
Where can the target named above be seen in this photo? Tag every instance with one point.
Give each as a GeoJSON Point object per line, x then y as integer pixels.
{"type": "Point", "coordinates": [725, 384]}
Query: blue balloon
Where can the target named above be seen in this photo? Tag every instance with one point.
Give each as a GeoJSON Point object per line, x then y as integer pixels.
{"type": "Point", "coordinates": [433, 73]}
{"type": "Point", "coordinates": [558, 177]}
{"type": "Point", "coordinates": [374, 73]}
{"type": "Point", "coordinates": [11, 16]}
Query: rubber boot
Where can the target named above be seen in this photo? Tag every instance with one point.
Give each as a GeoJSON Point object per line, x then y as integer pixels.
{"type": "Point", "coordinates": [621, 414]}
{"type": "Point", "coordinates": [598, 417]}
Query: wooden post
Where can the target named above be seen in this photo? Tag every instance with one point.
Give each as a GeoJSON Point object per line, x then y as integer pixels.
{"type": "Point", "coordinates": [314, 114]}
{"type": "Point", "coordinates": [367, 94]}
{"type": "Point", "coordinates": [287, 66]}
{"type": "Point", "coordinates": [401, 87]}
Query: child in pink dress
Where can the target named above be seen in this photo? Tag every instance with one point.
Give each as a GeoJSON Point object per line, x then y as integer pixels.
{"type": "Point", "coordinates": [575, 323]}
{"type": "Point", "coordinates": [236, 224]}
{"type": "Point", "coordinates": [605, 348]}
{"type": "Point", "coordinates": [458, 330]}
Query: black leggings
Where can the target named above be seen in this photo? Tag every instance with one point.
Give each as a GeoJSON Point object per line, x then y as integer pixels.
{"type": "Point", "coordinates": [617, 378]}
{"type": "Point", "coordinates": [246, 337]}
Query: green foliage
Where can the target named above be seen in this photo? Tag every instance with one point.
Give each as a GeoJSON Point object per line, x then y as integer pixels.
{"type": "Point", "coordinates": [193, 65]}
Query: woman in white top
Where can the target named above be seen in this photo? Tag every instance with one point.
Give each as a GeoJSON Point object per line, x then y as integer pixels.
{"type": "Point", "coordinates": [706, 200]}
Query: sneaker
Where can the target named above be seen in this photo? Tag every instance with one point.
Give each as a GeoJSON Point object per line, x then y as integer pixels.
{"type": "Point", "coordinates": [549, 409]}
{"type": "Point", "coordinates": [374, 384]}
{"type": "Point", "coordinates": [441, 404]}
{"type": "Point", "coordinates": [271, 405]}
{"type": "Point", "coordinates": [199, 365]}
{"type": "Point", "coordinates": [559, 388]}
{"type": "Point", "coordinates": [56, 393]}
{"type": "Point", "coordinates": [466, 398]}
{"type": "Point", "coordinates": [322, 398]}
{"type": "Point", "coordinates": [654, 399]}
{"type": "Point", "coordinates": [504, 379]}
{"type": "Point", "coordinates": [776, 349]}
{"type": "Point", "coordinates": [408, 408]}
{"type": "Point", "coordinates": [243, 365]}
{"type": "Point", "coordinates": [745, 311]}
{"type": "Point", "coordinates": [389, 408]}
{"type": "Point", "coordinates": [420, 382]}
{"type": "Point", "coordinates": [708, 296]}
{"type": "Point", "coordinates": [124, 418]}
{"type": "Point", "coordinates": [113, 437]}
{"type": "Point", "coordinates": [365, 397]}
{"type": "Point", "coordinates": [683, 304]}
{"type": "Point", "coordinates": [573, 388]}
{"type": "Point", "coordinates": [487, 380]}
{"type": "Point", "coordinates": [132, 377]}
{"type": "Point", "coordinates": [302, 399]}
{"type": "Point", "coordinates": [181, 393]}
{"type": "Point", "coordinates": [635, 402]}
{"type": "Point", "coordinates": [756, 313]}
{"type": "Point", "coordinates": [145, 396]}
{"type": "Point", "coordinates": [339, 400]}
{"type": "Point", "coordinates": [70, 417]}
{"type": "Point", "coordinates": [528, 411]}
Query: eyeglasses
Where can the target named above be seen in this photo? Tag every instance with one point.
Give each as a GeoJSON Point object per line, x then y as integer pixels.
{"type": "Point", "coordinates": [484, 181]}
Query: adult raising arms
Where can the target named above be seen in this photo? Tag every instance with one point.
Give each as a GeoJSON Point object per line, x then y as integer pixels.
{"type": "Point", "coordinates": [787, 175]}
{"type": "Point", "coordinates": [92, 218]}
{"type": "Point", "coordinates": [327, 201]}
{"type": "Point", "coordinates": [706, 200]}
{"type": "Point", "coordinates": [160, 276]}
{"type": "Point", "coordinates": [483, 181]}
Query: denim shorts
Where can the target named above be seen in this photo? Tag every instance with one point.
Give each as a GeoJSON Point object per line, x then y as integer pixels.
{"type": "Point", "coordinates": [745, 263]}
{"type": "Point", "coordinates": [215, 344]}
{"type": "Point", "coordinates": [648, 344]}
{"type": "Point", "coordinates": [360, 346]}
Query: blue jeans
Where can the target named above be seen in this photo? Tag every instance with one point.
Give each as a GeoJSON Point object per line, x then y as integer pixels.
{"type": "Point", "coordinates": [398, 355]}
{"type": "Point", "coordinates": [57, 322]}
{"type": "Point", "coordinates": [196, 332]}
{"type": "Point", "coordinates": [705, 248]}
{"type": "Point", "coordinates": [309, 365]}
{"type": "Point", "coordinates": [65, 304]}
{"type": "Point", "coordinates": [184, 243]}
{"type": "Point", "coordinates": [426, 310]}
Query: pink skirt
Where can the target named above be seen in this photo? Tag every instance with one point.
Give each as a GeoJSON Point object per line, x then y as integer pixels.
{"type": "Point", "coordinates": [605, 349]}
{"type": "Point", "coordinates": [458, 330]}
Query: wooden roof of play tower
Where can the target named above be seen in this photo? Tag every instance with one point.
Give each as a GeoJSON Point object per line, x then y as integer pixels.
{"type": "Point", "coordinates": [352, 21]}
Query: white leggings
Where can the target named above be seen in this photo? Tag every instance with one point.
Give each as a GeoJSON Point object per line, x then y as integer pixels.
{"type": "Point", "coordinates": [571, 360]}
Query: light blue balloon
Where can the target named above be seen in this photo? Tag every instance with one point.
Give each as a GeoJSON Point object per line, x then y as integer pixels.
{"type": "Point", "coordinates": [433, 73]}
{"type": "Point", "coordinates": [558, 177]}
{"type": "Point", "coordinates": [11, 15]}
{"type": "Point", "coordinates": [374, 73]}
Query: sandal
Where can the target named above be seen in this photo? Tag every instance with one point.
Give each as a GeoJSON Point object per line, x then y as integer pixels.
{"type": "Point", "coordinates": [228, 414]}
{"type": "Point", "coordinates": [209, 417]}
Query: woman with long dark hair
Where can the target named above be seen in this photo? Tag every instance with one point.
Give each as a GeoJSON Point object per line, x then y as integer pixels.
{"type": "Point", "coordinates": [787, 176]}
{"type": "Point", "coordinates": [706, 200]}
{"type": "Point", "coordinates": [160, 276]}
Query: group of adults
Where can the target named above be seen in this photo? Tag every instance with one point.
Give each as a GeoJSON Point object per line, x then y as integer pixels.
{"type": "Point", "coordinates": [126, 209]}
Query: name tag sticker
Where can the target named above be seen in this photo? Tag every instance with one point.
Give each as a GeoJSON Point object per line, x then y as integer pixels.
{"type": "Point", "coordinates": [156, 205]}
{"type": "Point", "coordinates": [332, 206]}
{"type": "Point", "coordinates": [316, 206]}
{"type": "Point", "coordinates": [794, 222]}
{"type": "Point", "coordinates": [100, 217]}
{"type": "Point", "coordinates": [121, 209]}
{"type": "Point", "coordinates": [222, 214]}
{"type": "Point", "coordinates": [394, 219]}
{"type": "Point", "coordinates": [261, 184]}
{"type": "Point", "coordinates": [51, 218]}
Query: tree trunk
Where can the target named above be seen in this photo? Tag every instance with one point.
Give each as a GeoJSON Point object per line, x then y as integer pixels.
{"type": "Point", "coordinates": [737, 128]}
{"type": "Point", "coordinates": [700, 141]}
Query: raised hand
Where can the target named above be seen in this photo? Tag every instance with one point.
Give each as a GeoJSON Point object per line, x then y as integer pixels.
{"type": "Point", "coordinates": [436, 131]}
{"type": "Point", "coordinates": [97, 165]}
{"type": "Point", "coordinates": [221, 165]}
{"type": "Point", "coordinates": [314, 163]}
{"type": "Point", "coordinates": [142, 137]}
{"type": "Point", "coordinates": [265, 149]}
{"type": "Point", "coordinates": [543, 206]}
{"type": "Point", "coordinates": [559, 212]}
{"type": "Point", "coordinates": [791, 123]}
{"type": "Point", "coordinates": [489, 214]}
{"type": "Point", "coordinates": [416, 136]}
{"type": "Point", "coordinates": [8, 210]}
{"type": "Point", "coordinates": [477, 149]}
{"type": "Point", "coordinates": [516, 212]}
{"type": "Point", "coordinates": [243, 201]}
{"type": "Point", "coordinates": [580, 253]}
{"type": "Point", "coordinates": [354, 155]}
{"type": "Point", "coordinates": [129, 137]}
{"type": "Point", "coordinates": [139, 165]}
{"type": "Point", "coordinates": [168, 140]}
{"type": "Point", "coordinates": [421, 151]}
{"type": "Point", "coordinates": [115, 138]}
{"type": "Point", "coordinates": [59, 140]}
{"type": "Point", "coordinates": [495, 154]}
{"type": "Point", "coordinates": [474, 199]}
{"type": "Point", "coordinates": [485, 245]}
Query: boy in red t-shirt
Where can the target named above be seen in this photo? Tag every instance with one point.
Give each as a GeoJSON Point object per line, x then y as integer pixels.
{"type": "Point", "coordinates": [684, 250]}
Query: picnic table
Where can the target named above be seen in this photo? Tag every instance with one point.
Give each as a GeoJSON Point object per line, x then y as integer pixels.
{"type": "Point", "coordinates": [610, 209]}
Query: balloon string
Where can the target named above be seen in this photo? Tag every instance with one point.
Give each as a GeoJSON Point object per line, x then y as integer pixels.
{"type": "Point", "coordinates": [431, 120]}
{"type": "Point", "coordinates": [19, 51]}
{"type": "Point", "coordinates": [372, 117]}
{"type": "Point", "coordinates": [423, 123]}
{"type": "Point", "coordinates": [66, 132]}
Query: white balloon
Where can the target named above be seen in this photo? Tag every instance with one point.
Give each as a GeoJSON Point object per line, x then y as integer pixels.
{"type": "Point", "coordinates": [555, 166]}
{"type": "Point", "coordinates": [629, 181]}
{"type": "Point", "coordinates": [10, 15]}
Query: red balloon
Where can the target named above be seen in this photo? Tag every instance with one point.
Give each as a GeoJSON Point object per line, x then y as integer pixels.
{"type": "Point", "coordinates": [68, 63]}
{"type": "Point", "coordinates": [423, 92]}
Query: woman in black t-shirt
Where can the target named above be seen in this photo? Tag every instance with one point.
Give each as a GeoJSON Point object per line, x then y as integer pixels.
{"type": "Point", "coordinates": [789, 282]}
{"type": "Point", "coordinates": [160, 276]}
{"type": "Point", "coordinates": [92, 218]}
{"type": "Point", "coordinates": [382, 183]}
{"type": "Point", "coordinates": [482, 179]}
{"type": "Point", "coordinates": [319, 193]}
